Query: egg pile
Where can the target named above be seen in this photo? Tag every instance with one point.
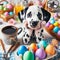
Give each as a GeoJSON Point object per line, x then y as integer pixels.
{"type": "Point", "coordinates": [54, 26]}
{"type": "Point", "coordinates": [37, 51]}
{"type": "Point", "coordinates": [5, 6]}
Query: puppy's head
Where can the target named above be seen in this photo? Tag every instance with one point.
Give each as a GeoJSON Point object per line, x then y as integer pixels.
{"type": "Point", "coordinates": [34, 15]}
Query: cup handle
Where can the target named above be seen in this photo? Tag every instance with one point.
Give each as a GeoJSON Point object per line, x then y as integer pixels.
{"type": "Point", "coordinates": [19, 30]}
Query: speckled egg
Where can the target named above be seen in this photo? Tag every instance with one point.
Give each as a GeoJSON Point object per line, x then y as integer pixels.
{"type": "Point", "coordinates": [54, 42]}
{"type": "Point", "coordinates": [50, 50]}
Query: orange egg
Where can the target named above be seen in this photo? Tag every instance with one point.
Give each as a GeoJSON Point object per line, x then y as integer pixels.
{"type": "Point", "coordinates": [54, 42]}
{"type": "Point", "coordinates": [59, 25]}
{"type": "Point", "coordinates": [33, 47]}
{"type": "Point", "coordinates": [51, 27]}
{"type": "Point", "coordinates": [50, 49]}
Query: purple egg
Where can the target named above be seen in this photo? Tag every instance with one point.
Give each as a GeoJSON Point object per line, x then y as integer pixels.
{"type": "Point", "coordinates": [58, 33]}
{"type": "Point", "coordinates": [40, 53]}
{"type": "Point", "coordinates": [48, 24]}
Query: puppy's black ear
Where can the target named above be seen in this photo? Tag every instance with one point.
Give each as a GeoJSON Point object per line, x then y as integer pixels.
{"type": "Point", "coordinates": [46, 15]}
{"type": "Point", "coordinates": [22, 14]}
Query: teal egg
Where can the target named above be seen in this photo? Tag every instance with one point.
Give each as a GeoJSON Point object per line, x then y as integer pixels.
{"type": "Point", "coordinates": [52, 21]}
{"type": "Point", "coordinates": [5, 3]}
{"type": "Point", "coordinates": [42, 43]}
{"type": "Point", "coordinates": [52, 18]}
{"type": "Point", "coordinates": [28, 56]}
{"type": "Point", "coordinates": [56, 29]}
{"type": "Point", "coordinates": [11, 13]}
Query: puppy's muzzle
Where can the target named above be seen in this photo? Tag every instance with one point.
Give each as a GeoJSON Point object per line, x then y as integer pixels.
{"type": "Point", "coordinates": [34, 24]}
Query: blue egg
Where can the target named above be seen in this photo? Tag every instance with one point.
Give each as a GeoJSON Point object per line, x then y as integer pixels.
{"type": "Point", "coordinates": [10, 13]}
{"type": "Point", "coordinates": [21, 50]}
{"type": "Point", "coordinates": [52, 21]}
{"type": "Point", "coordinates": [5, 3]}
{"type": "Point", "coordinates": [56, 29]}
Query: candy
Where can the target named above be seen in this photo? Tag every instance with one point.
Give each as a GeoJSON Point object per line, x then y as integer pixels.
{"type": "Point", "coordinates": [10, 13]}
{"type": "Point", "coordinates": [48, 24]}
{"type": "Point", "coordinates": [9, 6]}
{"type": "Point", "coordinates": [50, 50]}
{"type": "Point", "coordinates": [56, 24]}
{"type": "Point", "coordinates": [33, 47]}
{"type": "Point", "coordinates": [22, 49]}
{"type": "Point", "coordinates": [28, 55]}
{"type": "Point", "coordinates": [58, 33]}
{"type": "Point", "coordinates": [6, 13]}
{"type": "Point", "coordinates": [1, 7]}
{"type": "Point", "coordinates": [40, 53]}
{"type": "Point", "coordinates": [56, 29]}
{"type": "Point", "coordinates": [42, 43]}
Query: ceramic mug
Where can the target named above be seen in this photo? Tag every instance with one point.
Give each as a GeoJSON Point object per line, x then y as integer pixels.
{"type": "Point", "coordinates": [10, 34]}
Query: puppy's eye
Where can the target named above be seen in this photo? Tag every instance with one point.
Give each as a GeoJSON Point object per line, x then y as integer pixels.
{"type": "Point", "coordinates": [29, 14]}
{"type": "Point", "coordinates": [39, 16]}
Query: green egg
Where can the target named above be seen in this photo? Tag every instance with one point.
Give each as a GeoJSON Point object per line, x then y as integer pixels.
{"type": "Point", "coordinates": [28, 56]}
{"type": "Point", "coordinates": [1, 7]}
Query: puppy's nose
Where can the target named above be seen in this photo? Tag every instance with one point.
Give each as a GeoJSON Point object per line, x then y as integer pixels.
{"type": "Point", "coordinates": [34, 23]}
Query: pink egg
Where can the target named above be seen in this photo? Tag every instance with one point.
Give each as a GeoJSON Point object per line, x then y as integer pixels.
{"type": "Point", "coordinates": [6, 13]}
{"type": "Point", "coordinates": [9, 6]}
{"type": "Point", "coordinates": [58, 33]}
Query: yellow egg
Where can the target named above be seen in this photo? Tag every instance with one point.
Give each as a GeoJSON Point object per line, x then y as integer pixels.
{"type": "Point", "coordinates": [18, 8]}
{"type": "Point", "coordinates": [56, 24]}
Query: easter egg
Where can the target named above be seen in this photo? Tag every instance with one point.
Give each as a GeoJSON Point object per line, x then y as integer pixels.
{"type": "Point", "coordinates": [21, 50]}
{"type": "Point", "coordinates": [51, 27]}
{"type": "Point", "coordinates": [9, 6]}
{"type": "Point", "coordinates": [58, 33]}
{"type": "Point", "coordinates": [33, 47]}
{"type": "Point", "coordinates": [5, 9]}
{"type": "Point", "coordinates": [54, 42]}
{"type": "Point", "coordinates": [40, 53]}
{"type": "Point", "coordinates": [10, 13]}
{"type": "Point", "coordinates": [1, 7]}
{"type": "Point", "coordinates": [52, 21]}
{"type": "Point", "coordinates": [48, 24]}
{"type": "Point", "coordinates": [50, 50]}
{"type": "Point", "coordinates": [52, 18]}
{"type": "Point", "coordinates": [56, 29]}
{"type": "Point", "coordinates": [56, 24]}
{"type": "Point", "coordinates": [42, 43]}
{"type": "Point", "coordinates": [6, 13]}
{"type": "Point", "coordinates": [5, 2]}
{"type": "Point", "coordinates": [28, 55]}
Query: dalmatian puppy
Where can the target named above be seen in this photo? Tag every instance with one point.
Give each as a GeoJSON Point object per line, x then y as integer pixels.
{"type": "Point", "coordinates": [33, 19]}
